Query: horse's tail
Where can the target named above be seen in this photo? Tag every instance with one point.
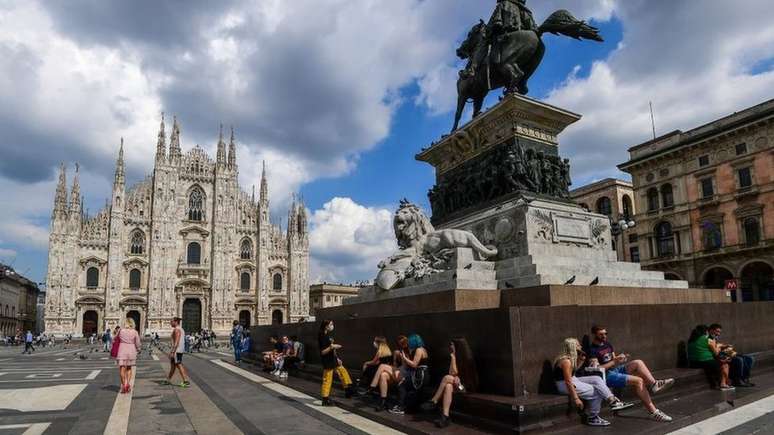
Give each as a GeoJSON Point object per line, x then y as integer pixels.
{"type": "Point", "coordinates": [483, 251]}
{"type": "Point", "coordinates": [562, 22]}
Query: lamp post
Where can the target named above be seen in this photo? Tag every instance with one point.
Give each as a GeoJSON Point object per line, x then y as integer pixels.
{"type": "Point", "coordinates": [617, 228]}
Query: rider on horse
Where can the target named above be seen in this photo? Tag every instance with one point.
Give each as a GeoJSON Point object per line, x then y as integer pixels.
{"type": "Point", "coordinates": [508, 16]}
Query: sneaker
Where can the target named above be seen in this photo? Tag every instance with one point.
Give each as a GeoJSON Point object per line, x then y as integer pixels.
{"type": "Point", "coordinates": [727, 388]}
{"type": "Point", "coordinates": [661, 385]}
{"type": "Point", "coordinates": [597, 421]}
{"type": "Point", "coordinates": [397, 409]}
{"type": "Point", "coordinates": [166, 382]}
{"type": "Point", "coordinates": [619, 405]}
{"type": "Point", "coordinates": [326, 401]}
{"type": "Point", "coordinates": [658, 415]}
{"type": "Point", "coordinates": [185, 384]}
{"type": "Point", "coordinates": [283, 375]}
{"type": "Point", "coordinates": [276, 372]}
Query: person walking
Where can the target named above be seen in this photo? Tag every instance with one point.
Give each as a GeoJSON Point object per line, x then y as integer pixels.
{"type": "Point", "coordinates": [107, 340]}
{"type": "Point", "coordinates": [331, 363]}
{"type": "Point", "coordinates": [128, 346]}
{"type": "Point", "coordinates": [236, 341]}
{"type": "Point", "coordinates": [176, 354]}
{"type": "Point", "coordinates": [28, 348]}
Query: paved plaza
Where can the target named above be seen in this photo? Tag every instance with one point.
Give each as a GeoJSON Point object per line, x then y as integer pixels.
{"type": "Point", "coordinates": [74, 390]}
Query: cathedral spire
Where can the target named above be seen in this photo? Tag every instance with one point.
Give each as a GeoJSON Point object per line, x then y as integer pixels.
{"type": "Point", "coordinates": [75, 195]}
{"type": "Point", "coordinates": [264, 186]}
{"type": "Point", "coordinates": [174, 140]}
{"type": "Point", "coordinates": [161, 144]}
{"type": "Point", "coordinates": [252, 198]}
{"type": "Point", "coordinates": [232, 150]}
{"type": "Point", "coordinates": [221, 156]}
{"type": "Point", "coordinates": [120, 177]}
{"type": "Point", "coordinates": [60, 200]}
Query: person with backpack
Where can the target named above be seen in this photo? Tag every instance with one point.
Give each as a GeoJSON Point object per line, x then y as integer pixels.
{"type": "Point", "coordinates": [236, 340]}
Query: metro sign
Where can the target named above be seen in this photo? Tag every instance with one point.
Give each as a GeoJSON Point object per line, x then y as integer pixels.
{"type": "Point", "coordinates": [732, 284]}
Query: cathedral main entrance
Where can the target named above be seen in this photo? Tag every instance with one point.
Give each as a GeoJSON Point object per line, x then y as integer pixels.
{"type": "Point", "coordinates": [134, 315]}
{"type": "Point", "coordinates": [244, 318]}
{"type": "Point", "coordinates": [90, 319]}
{"type": "Point", "coordinates": [192, 315]}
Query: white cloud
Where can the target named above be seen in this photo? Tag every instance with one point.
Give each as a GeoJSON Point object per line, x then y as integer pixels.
{"type": "Point", "coordinates": [7, 254]}
{"type": "Point", "coordinates": [693, 73]}
{"type": "Point", "coordinates": [347, 241]}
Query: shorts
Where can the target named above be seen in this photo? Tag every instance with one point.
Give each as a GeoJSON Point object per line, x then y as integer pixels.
{"type": "Point", "coordinates": [178, 359]}
{"type": "Point", "coordinates": [616, 377]}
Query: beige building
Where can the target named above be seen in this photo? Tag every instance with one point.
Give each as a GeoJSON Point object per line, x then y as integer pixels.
{"type": "Point", "coordinates": [705, 200]}
{"type": "Point", "coordinates": [18, 302]}
{"type": "Point", "coordinates": [329, 295]}
{"type": "Point", "coordinates": [614, 199]}
{"type": "Point", "coordinates": [186, 241]}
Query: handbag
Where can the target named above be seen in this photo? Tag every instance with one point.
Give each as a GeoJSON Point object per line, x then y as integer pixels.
{"type": "Point", "coordinates": [114, 348]}
{"type": "Point", "coordinates": [419, 376]}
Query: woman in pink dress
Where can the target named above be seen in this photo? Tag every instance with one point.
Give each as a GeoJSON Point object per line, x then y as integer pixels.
{"type": "Point", "coordinates": [127, 353]}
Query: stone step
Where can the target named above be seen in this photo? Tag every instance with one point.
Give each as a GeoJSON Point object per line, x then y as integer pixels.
{"type": "Point", "coordinates": [562, 260]}
{"type": "Point", "coordinates": [545, 279]}
{"type": "Point", "coordinates": [611, 271]}
{"type": "Point", "coordinates": [550, 250]}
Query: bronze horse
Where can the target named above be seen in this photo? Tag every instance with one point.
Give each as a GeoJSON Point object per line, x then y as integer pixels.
{"type": "Point", "coordinates": [520, 52]}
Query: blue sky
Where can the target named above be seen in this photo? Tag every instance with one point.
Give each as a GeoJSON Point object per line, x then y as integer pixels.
{"type": "Point", "coordinates": [337, 96]}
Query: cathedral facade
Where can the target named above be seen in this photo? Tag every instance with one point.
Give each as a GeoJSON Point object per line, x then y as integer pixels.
{"type": "Point", "coordinates": [186, 242]}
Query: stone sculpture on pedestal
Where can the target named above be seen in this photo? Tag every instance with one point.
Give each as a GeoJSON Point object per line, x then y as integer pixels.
{"type": "Point", "coordinates": [423, 249]}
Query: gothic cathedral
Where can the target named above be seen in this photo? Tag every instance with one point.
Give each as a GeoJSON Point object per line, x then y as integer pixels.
{"type": "Point", "coordinates": [186, 241]}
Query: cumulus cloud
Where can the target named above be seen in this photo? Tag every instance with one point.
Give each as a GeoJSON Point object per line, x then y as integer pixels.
{"type": "Point", "coordinates": [347, 241]}
{"type": "Point", "coordinates": [691, 71]}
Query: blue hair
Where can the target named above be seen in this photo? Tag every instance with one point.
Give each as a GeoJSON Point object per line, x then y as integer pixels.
{"type": "Point", "coordinates": [415, 342]}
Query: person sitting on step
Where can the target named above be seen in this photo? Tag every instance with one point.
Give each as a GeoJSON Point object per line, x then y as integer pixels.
{"type": "Point", "coordinates": [704, 353]}
{"type": "Point", "coordinates": [740, 366]}
{"type": "Point", "coordinates": [591, 389]}
{"type": "Point", "coordinates": [620, 372]}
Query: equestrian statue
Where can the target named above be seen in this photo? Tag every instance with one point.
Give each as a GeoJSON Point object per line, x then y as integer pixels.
{"type": "Point", "coordinates": [506, 51]}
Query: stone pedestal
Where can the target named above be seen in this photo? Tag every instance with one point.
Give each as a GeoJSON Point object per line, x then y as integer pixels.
{"type": "Point", "coordinates": [542, 242]}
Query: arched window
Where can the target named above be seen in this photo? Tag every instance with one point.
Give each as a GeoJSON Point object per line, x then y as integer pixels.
{"type": "Point", "coordinates": [194, 253]}
{"type": "Point", "coordinates": [277, 284]}
{"type": "Point", "coordinates": [196, 205]}
{"type": "Point", "coordinates": [711, 235]}
{"type": "Point", "coordinates": [604, 206]}
{"type": "Point", "coordinates": [134, 279]}
{"type": "Point", "coordinates": [667, 199]}
{"type": "Point", "coordinates": [665, 239]}
{"type": "Point", "coordinates": [244, 281]}
{"type": "Point", "coordinates": [752, 231]}
{"type": "Point", "coordinates": [92, 277]}
{"type": "Point", "coordinates": [137, 243]}
{"type": "Point", "coordinates": [627, 207]}
{"type": "Point", "coordinates": [246, 250]}
{"type": "Point", "coordinates": [652, 199]}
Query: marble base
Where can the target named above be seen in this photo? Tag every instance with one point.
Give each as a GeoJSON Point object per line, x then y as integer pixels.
{"type": "Point", "coordinates": [543, 242]}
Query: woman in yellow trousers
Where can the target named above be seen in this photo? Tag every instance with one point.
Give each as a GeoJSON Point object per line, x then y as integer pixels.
{"type": "Point", "coordinates": [331, 363]}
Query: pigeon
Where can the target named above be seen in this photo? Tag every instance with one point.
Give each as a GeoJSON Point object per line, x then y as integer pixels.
{"type": "Point", "coordinates": [353, 315]}
{"type": "Point", "coordinates": [570, 281]}
{"type": "Point", "coordinates": [454, 276]}
{"type": "Point", "coordinates": [469, 266]}
{"type": "Point", "coordinates": [508, 285]}
{"type": "Point", "coordinates": [595, 281]}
